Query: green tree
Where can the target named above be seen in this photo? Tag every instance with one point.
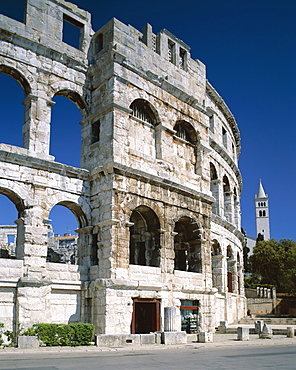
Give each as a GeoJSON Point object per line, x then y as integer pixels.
{"type": "Point", "coordinates": [275, 261]}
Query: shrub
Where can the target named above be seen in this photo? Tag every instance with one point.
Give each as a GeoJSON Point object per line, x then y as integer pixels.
{"type": "Point", "coordinates": [83, 334]}
{"type": "Point", "coordinates": [1, 328]}
{"type": "Point", "coordinates": [63, 334]}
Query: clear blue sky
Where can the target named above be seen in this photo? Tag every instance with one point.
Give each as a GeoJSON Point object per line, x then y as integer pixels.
{"type": "Point", "coordinates": [249, 48]}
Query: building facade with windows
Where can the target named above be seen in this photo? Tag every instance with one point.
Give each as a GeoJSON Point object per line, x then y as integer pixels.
{"type": "Point", "coordinates": [157, 197]}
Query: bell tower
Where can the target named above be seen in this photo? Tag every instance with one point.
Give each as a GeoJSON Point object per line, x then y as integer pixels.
{"type": "Point", "coordinates": [262, 213]}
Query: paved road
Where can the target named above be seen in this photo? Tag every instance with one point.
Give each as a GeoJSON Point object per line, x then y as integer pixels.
{"type": "Point", "coordinates": [281, 357]}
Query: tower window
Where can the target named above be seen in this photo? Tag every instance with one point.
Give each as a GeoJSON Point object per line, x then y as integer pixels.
{"type": "Point", "coordinates": [99, 43]}
{"type": "Point", "coordinates": [95, 132]}
{"type": "Point", "coordinates": [171, 49]}
{"type": "Point", "coordinates": [72, 30]}
{"type": "Point", "coordinates": [182, 57]}
{"type": "Point", "coordinates": [224, 137]}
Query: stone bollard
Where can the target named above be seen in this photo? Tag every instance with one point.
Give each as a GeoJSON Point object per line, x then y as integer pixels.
{"type": "Point", "coordinates": [259, 326]}
{"type": "Point", "coordinates": [290, 332]}
{"type": "Point", "coordinates": [242, 333]}
{"type": "Point", "coordinates": [222, 327]}
{"type": "Point", "coordinates": [266, 332]}
{"type": "Point", "coordinates": [205, 337]}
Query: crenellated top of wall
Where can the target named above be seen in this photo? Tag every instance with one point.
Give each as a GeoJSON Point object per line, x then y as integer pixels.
{"type": "Point", "coordinates": [162, 58]}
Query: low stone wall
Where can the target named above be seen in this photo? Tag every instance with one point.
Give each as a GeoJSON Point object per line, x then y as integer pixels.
{"type": "Point", "coordinates": [120, 340]}
{"type": "Point", "coordinates": [260, 305]}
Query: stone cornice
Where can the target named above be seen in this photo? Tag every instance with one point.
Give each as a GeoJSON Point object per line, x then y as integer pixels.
{"type": "Point", "coordinates": [228, 160]}
{"type": "Point", "coordinates": [226, 111]}
{"type": "Point", "coordinates": [179, 188]}
{"type": "Point", "coordinates": [15, 157]}
{"type": "Point", "coordinates": [228, 226]}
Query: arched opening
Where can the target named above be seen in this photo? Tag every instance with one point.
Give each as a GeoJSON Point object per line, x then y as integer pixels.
{"type": "Point", "coordinates": [236, 208]}
{"type": "Point", "coordinates": [11, 207]}
{"type": "Point", "coordinates": [217, 266]}
{"type": "Point", "coordinates": [239, 272]}
{"type": "Point", "coordinates": [12, 110]}
{"type": "Point", "coordinates": [144, 237]}
{"type": "Point", "coordinates": [144, 138]}
{"type": "Point", "coordinates": [185, 131]}
{"type": "Point", "coordinates": [187, 245]}
{"type": "Point", "coordinates": [227, 199]}
{"type": "Point", "coordinates": [185, 146]}
{"type": "Point", "coordinates": [230, 269]}
{"type": "Point", "coordinates": [142, 110]}
{"type": "Point", "coordinates": [62, 238]}
{"type": "Point", "coordinates": [65, 138]}
{"type": "Point", "coordinates": [214, 187]}
{"type": "Point", "coordinates": [63, 242]}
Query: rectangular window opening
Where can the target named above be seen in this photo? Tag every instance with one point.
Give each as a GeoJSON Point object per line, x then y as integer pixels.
{"type": "Point", "coordinates": [72, 30]}
{"type": "Point", "coordinates": [95, 132]}
{"type": "Point", "coordinates": [224, 137]}
{"type": "Point", "coordinates": [16, 12]}
{"type": "Point", "coordinates": [171, 49]}
{"type": "Point", "coordinates": [182, 61]}
{"type": "Point", "coordinates": [99, 43]}
{"type": "Point", "coordinates": [10, 238]}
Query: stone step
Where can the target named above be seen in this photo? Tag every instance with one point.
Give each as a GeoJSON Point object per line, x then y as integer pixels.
{"type": "Point", "coordinates": [269, 320]}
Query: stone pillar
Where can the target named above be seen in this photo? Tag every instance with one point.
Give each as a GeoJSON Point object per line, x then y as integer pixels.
{"type": "Point", "coordinates": [170, 314]}
{"type": "Point", "coordinates": [266, 332]}
{"type": "Point", "coordinates": [31, 244]}
{"type": "Point", "coordinates": [33, 302]}
{"type": "Point", "coordinates": [36, 129]}
{"type": "Point", "coordinates": [259, 326]}
{"type": "Point", "coordinates": [85, 248]}
{"type": "Point", "coordinates": [205, 337]}
{"type": "Point", "coordinates": [217, 272]}
{"type": "Point", "coordinates": [290, 332]}
{"type": "Point", "coordinates": [242, 333]}
{"type": "Point", "coordinates": [215, 185]}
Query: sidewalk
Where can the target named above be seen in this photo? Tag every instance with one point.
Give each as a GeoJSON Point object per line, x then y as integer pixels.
{"type": "Point", "coordinates": [220, 340]}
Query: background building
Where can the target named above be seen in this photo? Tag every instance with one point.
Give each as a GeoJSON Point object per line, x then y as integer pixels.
{"type": "Point", "coordinates": [261, 218]}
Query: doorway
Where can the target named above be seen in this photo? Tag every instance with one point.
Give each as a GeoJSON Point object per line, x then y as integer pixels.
{"type": "Point", "coordinates": [146, 316]}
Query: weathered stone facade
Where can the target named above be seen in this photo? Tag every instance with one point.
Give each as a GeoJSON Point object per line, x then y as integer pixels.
{"type": "Point", "coordinates": [157, 195]}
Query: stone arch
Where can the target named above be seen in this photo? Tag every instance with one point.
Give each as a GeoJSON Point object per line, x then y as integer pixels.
{"type": "Point", "coordinates": [186, 150]}
{"type": "Point", "coordinates": [136, 94]}
{"type": "Point", "coordinates": [214, 187]}
{"type": "Point", "coordinates": [230, 269]}
{"type": "Point", "coordinates": [217, 265]}
{"type": "Point", "coordinates": [144, 237]}
{"type": "Point", "coordinates": [187, 245]}
{"type": "Point", "coordinates": [77, 211]}
{"type": "Point", "coordinates": [227, 199]}
{"type": "Point", "coordinates": [67, 248]}
{"type": "Point", "coordinates": [144, 110]}
{"type": "Point", "coordinates": [145, 128]}
{"type": "Point", "coordinates": [186, 131]}
{"type": "Point", "coordinates": [15, 198]}
{"type": "Point", "coordinates": [18, 77]}
{"type": "Point", "coordinates": [8, 251]}
{"type": "Point", "coordinates": [75, 97]}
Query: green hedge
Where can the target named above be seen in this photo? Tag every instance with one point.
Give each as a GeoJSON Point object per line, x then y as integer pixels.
{"type": "Point", "coordinates": [78, 334]}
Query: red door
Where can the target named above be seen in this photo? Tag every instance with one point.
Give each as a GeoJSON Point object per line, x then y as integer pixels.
{"type": "Point", "coordinates": [146, 316]}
